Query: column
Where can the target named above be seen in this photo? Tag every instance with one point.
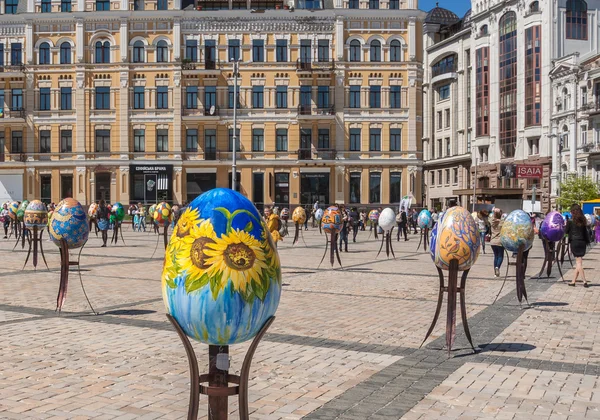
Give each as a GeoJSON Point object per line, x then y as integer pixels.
{"type": "Point", "coordinates": [412, 40]}
{"type": "Point", "coordinates": [29, 106]}
{"type": "Point", "coordinates": [177, 137]}
{"type": "Point", "coordinates": [80, 112]}
{"type": "Point", "coordinates": [29, 39]}
{"type": "Point", "coordinates": [555, 162]}
{"type": "Point", "coordinates": [177, 36]}
{"type": "Point", "coordinates": [573, 147]}
{"type": "Point", "coordinates": [339, 39]}
{"type": "Point", "coordinates": [79, 39]}
{"type": "Point", "coordinates": [124, 115]}
{"type": "Point", "coordinates": [339, 102]}
{"type": "Point", "coordinates": [124, 40]}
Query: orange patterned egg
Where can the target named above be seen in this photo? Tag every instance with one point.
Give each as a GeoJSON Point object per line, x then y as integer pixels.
{"type": "Point", "coordinates": [332, 220]}
{"type": "Point", "coordinates": [457, 238]}
{"type": "Point", "coordinates": [299, 215]}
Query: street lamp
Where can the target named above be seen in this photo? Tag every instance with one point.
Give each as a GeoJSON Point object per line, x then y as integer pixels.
{"type": "Point", "coordinates": [236, 65]}
{"type": "Point", "coordinates": [475, 185]}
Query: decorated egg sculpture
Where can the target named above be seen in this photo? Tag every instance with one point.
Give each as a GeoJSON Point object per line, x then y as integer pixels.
{"type": "Point", "coordinates": [319, 214]}
{"type": "Point", "coordinates": [387, 219]}
{"type": "Point", "coordinates": [151, 210]}
{"type": "Point", "coordinates": [374, 215]}
{"type": "Point", "coordinates": [93, 210]}
{"type": "Point", "coordinates": [553, 227]}
{"type": "Point", "coordinates": [299, 215]}
{"type": "Point", "coordinates": [285, 214]}
{"type": "Point", "coordinates": [36, 215]}
{"type": "Point", "coordinates": [12, 210]}
{"type": "Point", "coordinates": [221, 277]}
{"type": "Point", "coordinates": [589, 219]}
{"type": "Point", "coordinates": [119, 211]}
{"type": "Point", "coordinates": [332, 220]}
{"type": "Point", "coordinates": [424, 219]}
{"type": "Point", "coordinates": [456, 238]}
{"type": "Point", "coordinates": [517, 230]}
{"type": "Point", "coordinates": [567, 215]}
{"type": "Point", "coordinates": [21, 210]}
{"type": "Point", "coordinates": [69, 222]}
{"type": "Point", "coordinates": [162, 214]}
{"type": "Point", "coordinates": [433, 240]}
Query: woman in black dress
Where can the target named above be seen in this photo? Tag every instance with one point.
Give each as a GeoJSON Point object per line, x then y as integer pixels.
{"type": "Point", "coordinates": [102, 216]}
{"type": "Point", "coordinates": [579, 240]}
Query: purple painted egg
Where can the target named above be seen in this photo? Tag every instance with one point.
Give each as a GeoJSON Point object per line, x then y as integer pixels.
{"type": "Point", "coordinates": [553, 227]}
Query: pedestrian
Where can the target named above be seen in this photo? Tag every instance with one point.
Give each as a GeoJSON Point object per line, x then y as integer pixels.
{"type": "Point", "coordinates": [435, 216]}
{"type": "Point", "coordinates": [596, 228]}
{"type": "Point", "coordinates": [415, 216]}
{"type": "Point", "coordinates": [5, 219]}
{"type": "Point", "coordinates": [497, 248]}
{"type": "Point", "coordinates": [344, 230]}
{"type": "Point", "coordinates": [579, 240]}
{"type": "Point", "coordinates": [483, 226]}
{"type": "Point", "coordinates": [402, 225]}
{"type": "Point", "coordinates": [355, 217]}
{"type": "Point", "coordinates": [103, 217]}
{"type": "Point", "coordinates": [307, 210]}
{"type": "Point", "coordinates": [141, 217]}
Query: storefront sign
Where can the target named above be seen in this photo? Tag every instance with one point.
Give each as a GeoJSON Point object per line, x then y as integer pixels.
{"type": "Point", "coordinates": [530, 171]}
{"type": "Point", "coordinates": [151, 183]}
{"type": "Point", "coordinates": [507, 170]}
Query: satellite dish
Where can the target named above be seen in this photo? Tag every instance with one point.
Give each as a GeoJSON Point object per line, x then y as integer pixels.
{"type": "Point", "coordinates": [212, 110]}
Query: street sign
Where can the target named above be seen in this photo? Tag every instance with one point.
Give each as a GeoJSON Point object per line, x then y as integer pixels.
{"type": "Point", "coordinates": [530, 171]}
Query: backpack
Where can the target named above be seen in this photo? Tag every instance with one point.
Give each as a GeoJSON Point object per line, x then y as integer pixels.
{"type": "Point", "coordinates": [399, 218]}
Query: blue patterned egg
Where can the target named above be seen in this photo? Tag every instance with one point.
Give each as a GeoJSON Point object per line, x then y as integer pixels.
{"type": "Point", "coordinates": [553, 227]}
{"type": "Point", "coordinates": [517, 230]}
{"type": "Point", "coordinates": [424, 219]}
{"type": "Point", "coordinates": [221, 276]}
{"type": "Point", "coordinates": [69, 222]}
{"type": "Point", "coordinates": [36, 214]}
{"type": "Point", "coordinates": [456, 238]}
{"type": "Point", "coordinates": [433, 241]}
{"type": "Point", "coordinates": [319, 214]}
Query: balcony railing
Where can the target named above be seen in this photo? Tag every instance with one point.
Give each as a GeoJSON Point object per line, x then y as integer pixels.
{"type": "Point", "coordinates": [310, 66]}
{"type": "Point", "coordinates": [304, 110]}
{"type": "Point", "coordinates": [210, 154]}
{"type": "Point", "coordinates": [212, 111]}
{"type": "Point", "coordinates": [448, 68]}
{"type": "Point", "coordinates": [304, 154]}
{"type": "Point", "coordinates": [326, 154]}
{"type": "Point", "coordinates": [308, 110]}
{"type": "Point", "coordinates": [13, 113]}
{"type": "Point", "coordinates": [12, 68]}
{"type": "Point", "coordinates": [193, 65]}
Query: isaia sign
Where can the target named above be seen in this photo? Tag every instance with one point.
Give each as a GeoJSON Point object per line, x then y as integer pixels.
{"type": "Point", "coordinates": [530, 171]}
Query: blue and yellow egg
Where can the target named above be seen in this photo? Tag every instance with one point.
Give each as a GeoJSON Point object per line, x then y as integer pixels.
{"type": "Point", "coordinates": [36, 215]}
{"type": "Point", "coordinates": [456, 238]}
{"type": "Point", "coordinates": [69, 222]}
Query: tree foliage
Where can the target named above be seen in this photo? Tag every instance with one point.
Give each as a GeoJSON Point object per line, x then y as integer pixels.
{"type": "Point", "coordinates": [576, 189]}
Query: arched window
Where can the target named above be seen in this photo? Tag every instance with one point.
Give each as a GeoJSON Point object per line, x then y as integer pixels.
{"type": "Point", "coordinates": [375, 51]}
{"type": "Point", "coordinates": [576, 19]}
{"type": "Point", "coordinates": [395, 51]}
{"type": "Point", "coordinates": [483, 30]}
{"type": "Point", "coordinates": [564, 139]}
{"type": "Point", "coordinates": [445, 65]}
{"type": "Point", "coordinates": [565, 99]}
{"type": "Point", "coordinates": [508, 84]}
{"type": "Point", "coordinates": [355, 50]}
{"type": "Point", "coordinates": [534, 6]}
{"type": "Point", "coordinates": [162, 52]}
{"type": "Point", "coordinates": [65, 53]}
{"type": "Point", "coordinates": [44, 53]}
{"type": "Point", "coordinates": [138, 52]}
{"type": "Point", "coordinates": [102, 52]}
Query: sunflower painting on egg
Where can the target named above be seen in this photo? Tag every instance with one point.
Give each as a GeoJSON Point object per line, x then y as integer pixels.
{"type": "Point", "coordinates": [221, 278]}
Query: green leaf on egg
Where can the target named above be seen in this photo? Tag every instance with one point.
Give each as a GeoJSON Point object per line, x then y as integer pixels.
{"type": "Point", "coordinates": [195, 283]}
{"type": "Point", "coordinates": [224, 211]}
{"type": "Point", "coordinates": [171, 283]}
{"type": "Point", "coordinates": [249, 227]}
{"type": "Point", "coordinates": [215, 284]}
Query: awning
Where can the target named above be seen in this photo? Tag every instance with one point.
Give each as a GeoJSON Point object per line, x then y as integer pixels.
{"type": "Point", "coordinates": [489, 191]}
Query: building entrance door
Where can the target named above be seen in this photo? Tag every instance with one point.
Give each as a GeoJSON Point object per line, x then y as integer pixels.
{"type": "Point", "coordinates": [103, 186]}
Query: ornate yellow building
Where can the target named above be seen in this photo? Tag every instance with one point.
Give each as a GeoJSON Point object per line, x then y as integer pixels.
{"type": "Point", "coordinates": [133, 101]}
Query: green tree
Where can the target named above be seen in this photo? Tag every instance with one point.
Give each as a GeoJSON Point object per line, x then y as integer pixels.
{"type": "Point", "coordinates": [576, 189]}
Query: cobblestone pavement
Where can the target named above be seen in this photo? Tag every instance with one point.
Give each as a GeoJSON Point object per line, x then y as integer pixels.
{"type": "Point", "coordinates": [345, 343]}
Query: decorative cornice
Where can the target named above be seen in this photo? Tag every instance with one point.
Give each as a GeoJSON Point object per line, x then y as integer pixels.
{"type": "Point", "coordinates": [258, 25]}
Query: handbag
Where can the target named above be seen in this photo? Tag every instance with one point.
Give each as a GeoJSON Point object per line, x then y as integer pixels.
{"type": "Point", "coordinates": [488, 238]}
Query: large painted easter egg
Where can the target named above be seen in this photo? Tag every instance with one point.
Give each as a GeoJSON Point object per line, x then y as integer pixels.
{"type": "Point", "coordinates": [567, 215]}
{"type": "Point", "coordinates": [299, 215]}
{"type": "Point", "coordinates": [553, 227]}
{"type": "Point", "coordinates": [69, 222]}
{"type": "Point", "coordinates": [589, 219]}
{"type": "Point", "coordinates": [319, 214]}
{"type": "Point", "coordinates": [36, 214]}
{"type": "Point", "coordinates": [285, 213]}
{"type": "Point", "coordinates": [221, 277]}
{"type": "Point", "coordinates": [21, 210]}
{"type": "Point", "coordinates": [456, 238]}
{"type": "Point", "coordinates": [387, 219]}
{"type": "Point", "coordinates": [424, 219]}
{"type": "Point", "coordinates": [93, 210]}
{"type": "Point", "coordinates": [517, 230]}
{"type": "Point", "coordinates": [374, 215]}
{"type": "Point", "coordinates": [162, 214]}
{"type": "Point", "coordinates": [119, 211]}
{"type": "Point", "coordinates": [12, 210]}
{"type": "Point", "coordinates": [433, 241]}
{"type": "Point", "coordinates": [332, 220]}
{"type": "Point", "coordinates": [151, 210]}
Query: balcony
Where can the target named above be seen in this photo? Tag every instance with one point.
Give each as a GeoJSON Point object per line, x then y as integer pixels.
{"type": "Point", "coordinates": [304, 154]}
{"type": "Point", "coordinates": [314, 66]}
{"type": "Point", "coordinates": [212, 111]}
{"type": "Point", "coordinates": [326, 154]}
{"type": "Point", "coordinates": [592, 148]}
{"type": "Point", "coordinates": [12, 68]}
{"type": "Point", "coordinates": [206, 67]}
{"type": "Point", "coordinates": [13, 113]}
{"type": "Point", "coordinates": [308, 111]}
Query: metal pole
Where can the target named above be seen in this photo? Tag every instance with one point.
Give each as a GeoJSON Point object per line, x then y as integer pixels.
{"type": "Point", "coordinates": [235, 99]}
{"type": "Point", "coordinates": [474, 186]}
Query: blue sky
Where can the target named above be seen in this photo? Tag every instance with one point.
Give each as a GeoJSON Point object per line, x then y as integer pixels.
{"type": "Point", "coordinates": [459, 7]}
